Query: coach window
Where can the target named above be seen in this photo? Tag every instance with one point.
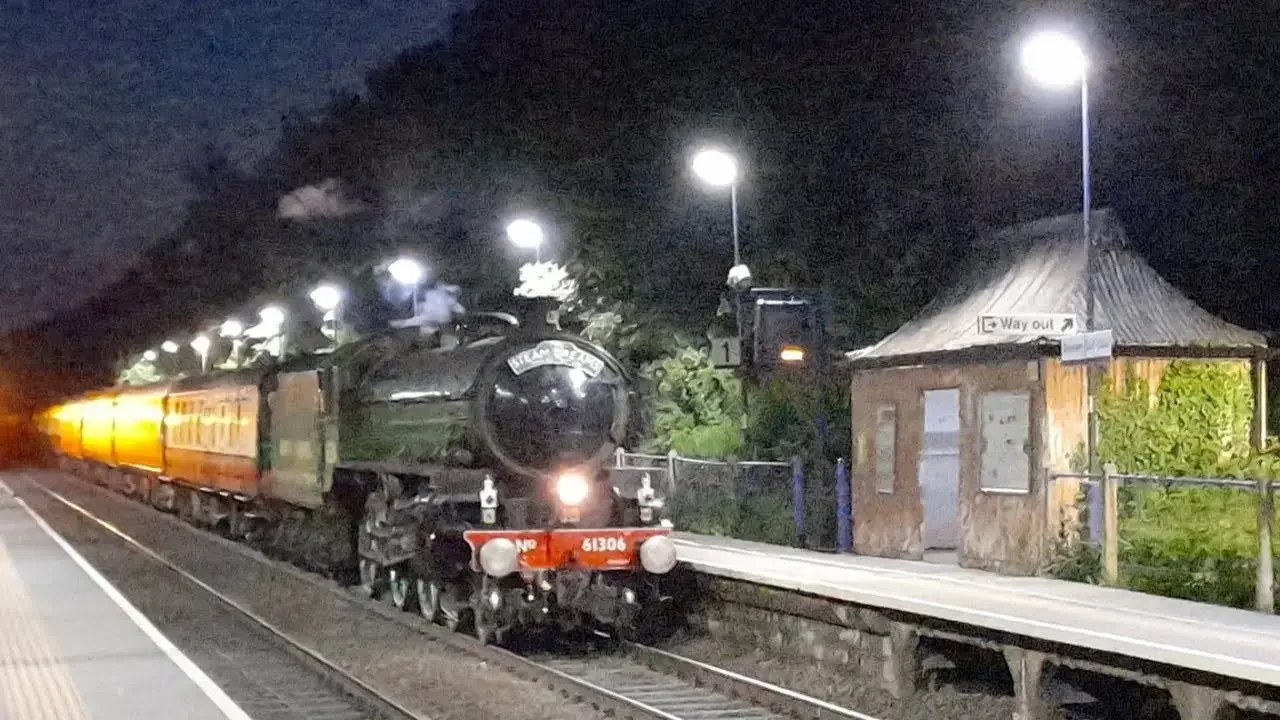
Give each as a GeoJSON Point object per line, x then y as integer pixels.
{"type": "Point", "coordinates": [886, 444]}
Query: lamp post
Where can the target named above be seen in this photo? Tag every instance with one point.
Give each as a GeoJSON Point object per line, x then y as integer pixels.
{"type": "Point", "coordinates": [527, 235]}
{"type": "Point", "coordinates": [1056, 60]}
{"type": "Point", "coordinates": [718, 168]}
{"type": "Point", "coordinates": [328, 300]}
{"type": "Point", "coordinates": [201, 345]}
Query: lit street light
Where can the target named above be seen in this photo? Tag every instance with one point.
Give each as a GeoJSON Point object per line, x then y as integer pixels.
{"type": "Point", "coordinates": [326, 297]}
{"type": "Point", "coordinates": [1056, 60]}
{"type": "Point", "coordinates": [169, 346]}
{"type": "Point", "coordinates": [201, 345]}
{"type": "Point", "coordinates": [271, 316]}
{"type": "Point", "coordinates": [526, 235]}
{"type": "Point", "coordinates": [407, 271]}
{"type": "Point", "coordinates": [718, 168]}
{"type": "Point", "coordinates": [149, 356]}
{"type": "Point", "coordinates": [231, 328]}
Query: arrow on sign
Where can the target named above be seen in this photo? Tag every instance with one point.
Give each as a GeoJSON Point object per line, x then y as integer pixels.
{"type": "Point", "coordinates": [1034, 324]}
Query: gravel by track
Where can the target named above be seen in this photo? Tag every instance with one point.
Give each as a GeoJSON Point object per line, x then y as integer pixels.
{"type": "Point", "coordinates": [407, 667]}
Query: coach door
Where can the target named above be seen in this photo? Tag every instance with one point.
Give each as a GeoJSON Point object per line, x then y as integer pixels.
{"type": "Point", "coordinates": [297, 448]}
{"type": "Point", "coordinates": [939, 471]}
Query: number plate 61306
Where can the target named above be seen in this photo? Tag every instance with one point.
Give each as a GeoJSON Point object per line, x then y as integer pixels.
{"type": "Point", "coordinates": [604, 544]}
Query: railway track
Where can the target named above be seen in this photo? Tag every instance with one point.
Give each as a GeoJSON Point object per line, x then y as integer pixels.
{"type": "Point", "coordinates": [268, 674]}
{"type": "Point", "coordinates": [627, 680]}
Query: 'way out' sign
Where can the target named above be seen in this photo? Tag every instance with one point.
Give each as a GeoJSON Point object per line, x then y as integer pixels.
{"type": "Point", "coordinates": [1029, 324]}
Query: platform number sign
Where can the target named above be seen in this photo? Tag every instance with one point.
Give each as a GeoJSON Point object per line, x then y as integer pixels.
{"type": "Point", "coordinates": [726, 351]}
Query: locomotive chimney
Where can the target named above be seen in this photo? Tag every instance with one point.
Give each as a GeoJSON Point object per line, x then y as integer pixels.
{"type": "Point", "coordinates": [538, 314]}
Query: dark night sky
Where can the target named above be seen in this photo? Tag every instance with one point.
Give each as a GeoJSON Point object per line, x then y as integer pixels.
{"type": "Point", "coordinates": [102, 102]}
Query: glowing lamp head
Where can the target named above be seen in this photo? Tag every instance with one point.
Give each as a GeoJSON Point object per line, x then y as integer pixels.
{"type": "Point", "coordinates": [715, 167]}
{"type": "Point", "coordinates": [1054, 59]}
{"type": "Point", "coordinates": [326, 297]}
{"type": "Point", "coordinates": [407, 271]}
{"type": "Point", "coordinates": [572, 489]}
{"type": "Point", "coordinates": [169, 346]}
{"type": "Point", "coordinates": [149, 356]}
{"type": "Point", "coordinates": [791, 354]}
{"type": "Point", "coordinates": [271, 315]}
{"type": "Point", "coordinates": [525, 234]}
{"type": "Point", "coordinates": [231, 328]}
{"type": "Point", "coordinates": [201, 344]}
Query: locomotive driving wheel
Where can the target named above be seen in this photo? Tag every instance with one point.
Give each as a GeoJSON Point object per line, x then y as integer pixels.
{"type": "Point", "coordinates": [439, 601]}
{"type": "Point", "coordinates": [401, 587]}
{"type": "Point", "coordinates": [428, 598]}
{"type": "Point", "coordinates": [369, 578]}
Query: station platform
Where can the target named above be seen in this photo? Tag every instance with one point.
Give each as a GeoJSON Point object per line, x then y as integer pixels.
{"type": "Point", "coordinates": [1233, 643]}
{"type": "Point", "coordinates": [73, 648]}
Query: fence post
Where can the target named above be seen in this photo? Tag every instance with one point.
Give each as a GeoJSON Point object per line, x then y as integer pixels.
{"type": "Point", "coordinates": [1096, 511]}
{"type": "Point", "coordinates": [619, 456]}
{"type": "Point", "coordinates": [1266, 591]}
{"type": "Point", "coordinates": [844, 508]}
{"type": "Point", "coordinates": [797, 497]}
{"type": "Point", "coordinates": [672, 456]}
{"type": "Point", "coordinates": [1110, 526]}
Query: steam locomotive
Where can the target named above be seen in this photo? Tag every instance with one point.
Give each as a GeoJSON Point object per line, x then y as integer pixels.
{"type": "Point", "coordinates": [469, 477]}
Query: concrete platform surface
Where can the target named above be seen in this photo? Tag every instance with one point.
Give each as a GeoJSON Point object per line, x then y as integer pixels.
{"type": "Point", "coordinates": [73, 648]}
{"type": "Point", "coordinates": [1229, 642]}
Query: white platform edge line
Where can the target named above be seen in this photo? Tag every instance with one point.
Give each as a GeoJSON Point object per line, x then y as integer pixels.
{"type": "Point", "coordinates": [1191, 658]}
{"type": "Point", "coordinates": [950, 579]}
{"type": "Point", "coordinates": [224, 703]}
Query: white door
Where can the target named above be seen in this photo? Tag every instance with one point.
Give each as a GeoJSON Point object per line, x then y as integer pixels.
{"type": "Point", "coordinates": [939, 471]}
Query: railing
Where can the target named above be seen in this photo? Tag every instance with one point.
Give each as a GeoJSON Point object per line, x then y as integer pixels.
{"type": "Point", "coordinates": [752, 500]}
{"type": "Point", "coordinates": [1210, 539]}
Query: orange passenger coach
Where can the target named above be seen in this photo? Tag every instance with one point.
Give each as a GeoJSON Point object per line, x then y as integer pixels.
{"type": "Point", "coordinates": [211, 434]}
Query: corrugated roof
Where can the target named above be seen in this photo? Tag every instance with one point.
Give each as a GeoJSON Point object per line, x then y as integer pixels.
{"type": "Point", "coordinates": [1039, 267]}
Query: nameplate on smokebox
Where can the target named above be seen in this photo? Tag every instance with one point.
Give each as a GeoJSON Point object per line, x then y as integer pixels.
{"type": "Point", "coordinates": [555, 352]}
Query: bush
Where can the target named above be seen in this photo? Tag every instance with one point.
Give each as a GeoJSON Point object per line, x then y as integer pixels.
{"type": "Point", "coordinates": [1192, 543]}
{"type": "Point", "coordinates": [696, 407]}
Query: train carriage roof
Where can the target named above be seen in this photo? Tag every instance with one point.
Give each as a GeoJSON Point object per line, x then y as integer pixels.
{"type": "Point", "coordinates": [250, 377]}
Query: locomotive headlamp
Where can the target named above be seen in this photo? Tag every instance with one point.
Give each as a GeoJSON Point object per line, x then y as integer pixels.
{"type": "Point", "coordinates": [572, 488]}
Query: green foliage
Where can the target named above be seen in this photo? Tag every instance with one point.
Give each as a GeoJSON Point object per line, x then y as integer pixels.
{"type": "Point", "coordinates": [787, 412]}
{"type": "Point", "coordinates": [697, 408]}
{"type": "Point", "coordinates": [1193, 543]}
{"type": "Point", "coordinates": [1198, 424]}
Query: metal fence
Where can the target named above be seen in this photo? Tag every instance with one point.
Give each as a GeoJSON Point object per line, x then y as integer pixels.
{"type": "Point", "coordinates": [1208, 539]}
{"type": "Point", "coordinates": [783, 503]}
